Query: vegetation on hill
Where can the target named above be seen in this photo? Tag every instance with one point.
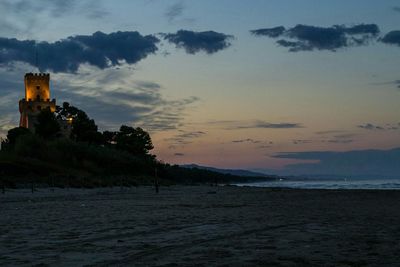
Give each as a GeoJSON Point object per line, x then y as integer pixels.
{"type": "Point", "coordinates": [87, 157]}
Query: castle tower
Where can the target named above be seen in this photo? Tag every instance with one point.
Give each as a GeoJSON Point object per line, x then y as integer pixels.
{"type": "Point", "coordinates": [37, 97]}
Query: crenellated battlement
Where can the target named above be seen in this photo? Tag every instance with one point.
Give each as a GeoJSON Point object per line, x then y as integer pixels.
{"type": "Point", "coordinates": [37, 74]}
{"type": "Point", "coordinates": [37, 77]}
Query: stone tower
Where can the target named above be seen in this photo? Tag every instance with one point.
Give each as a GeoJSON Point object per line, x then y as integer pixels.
{"type": "Point", "coordinates": [37, 97]}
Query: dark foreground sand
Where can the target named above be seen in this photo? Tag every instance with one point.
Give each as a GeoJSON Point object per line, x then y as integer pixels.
{"type": "Point", "coordinates": [200, 226]}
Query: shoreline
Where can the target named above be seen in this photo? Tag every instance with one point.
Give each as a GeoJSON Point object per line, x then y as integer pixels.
{"type": "Point", "coordinates": [116, 189]}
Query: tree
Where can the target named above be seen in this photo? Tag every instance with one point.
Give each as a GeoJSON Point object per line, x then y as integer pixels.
{"type": "Point", "coordinates": [12, 136]}
{"type": "Point", "coordinates": [47, 125]}
{"type": "Point", "coordinates": [109, 138]}
{"type": "Point", "coordinates": [133, 140]}
{"type": "Point", "coordinates": [84, 129]}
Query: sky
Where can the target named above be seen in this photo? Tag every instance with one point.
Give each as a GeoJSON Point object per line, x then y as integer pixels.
{"type": "Point", "coordinates": [280, 86]}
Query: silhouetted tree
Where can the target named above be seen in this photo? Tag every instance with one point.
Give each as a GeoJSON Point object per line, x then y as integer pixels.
{"type": "Point", "coordinates": [47, 125]}
{"type": "Point", "coordinates": [84, 129]}
{"type": "Point", "coordinates": [12, 137]}
{"type": "Point", "coordinates": [109, 138]}
{"type": "Point", "coordinates": [133, 140]}
{"type": "Point", "coordinates": [14, 133]}
{"type": "Point", "coordinates": [66, 111]}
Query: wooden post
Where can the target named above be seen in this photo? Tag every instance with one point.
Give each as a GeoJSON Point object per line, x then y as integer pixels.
{"type": "Point", "coordinates": [156, 180]}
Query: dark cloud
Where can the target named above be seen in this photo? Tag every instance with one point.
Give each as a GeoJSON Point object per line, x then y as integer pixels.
{"type": "Point", "coordinates": [387, 126]}
{"type": "Point", "coordinates": [290, 44]}
{"type": "Point", "coordinates": [339, 141]}
{"type": "Point", "coordinates": [248, 140]}
{"type": "Point", "coordinates": [99, 49]}
{"type": "Point", "coordinates": [239, 124]}
{"type": "Point", "coordinates": [395, 83]}
{"type": "Point", "coordinates": [392, 126]}
{"type": "Point", "coordinates": [221, 122]}
{"type": "Point", "coordinates": [267, 125]}
{"type": "Point", "coordinates": [328, 132]}
{"type": "Point", "coordinates": [361, 163]}
{"type": "Point", "coordinates": [370, 126]}
{"type": "Point", "coordinates": [344, 136]}
{"type": "Point", "coordinates": [396, 8]}
{"type": "Point", "coordinates": [194, 42]}
{"type": "Point", "coordinates": [392, 38]}
{"type": "Point", "coordinates": [265, 146]}
{"type": "Point", "coordinates": [269, 32]}
{"type": "Point", "coordinates": [327, 137]}
{"type": "Point", "coordinates": [184, 138]}
{"type": "Point", "coordinates": [147, 85]}
{"type": "Point", "coordinates": [300, 142]}
{"type": "Point", "coordinates": [308, 38]}
{"type": "Point", "coordinates": [190, 135]}
{"type": "Point", "coordinates": [174, 11]}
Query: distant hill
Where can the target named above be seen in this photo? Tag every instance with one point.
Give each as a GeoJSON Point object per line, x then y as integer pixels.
{"type": "Point", "coordinates": [236, 172]}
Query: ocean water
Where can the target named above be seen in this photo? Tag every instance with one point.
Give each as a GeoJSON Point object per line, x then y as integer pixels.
{"type": "Point", "coordinates": [379, 184]}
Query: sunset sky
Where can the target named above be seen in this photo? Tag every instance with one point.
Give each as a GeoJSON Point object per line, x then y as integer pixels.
{"type": "Point", "coordinates": [231, 84]}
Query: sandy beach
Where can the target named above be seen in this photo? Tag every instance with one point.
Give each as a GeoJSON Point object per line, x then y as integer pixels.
{"type": "Point", "coordinates": [199, 226]}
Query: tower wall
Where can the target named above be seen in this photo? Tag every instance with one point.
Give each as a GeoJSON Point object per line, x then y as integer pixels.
{"type": "Point", "coordinates": [37, 97]}
{"type": "Point", "coordinates": [37, 86]}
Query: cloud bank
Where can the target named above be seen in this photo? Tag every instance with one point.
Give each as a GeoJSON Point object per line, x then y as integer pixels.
{"type": "Point", "coordinates": [392, 38]}
{"type": "Point", "coordinates": [388, 126]}
{"type": "Point", "coordinates": [309, 38]}
{"type": "Point", "coordinates": [248, 140]}
{"type": "Point", "coordinates": [269, 32]}
{"type": "Point", "coordinates": [99, 49]}
{"type": "Point", "coordinates": [370, 126]}
{"type": "Point", "coordinates": [268, 125]}
{"type": "Point", "coordinates": [209, 42]}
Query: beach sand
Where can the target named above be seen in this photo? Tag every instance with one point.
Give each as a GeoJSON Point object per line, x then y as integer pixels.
{"type": "Point", "coordinates": [199, 226]}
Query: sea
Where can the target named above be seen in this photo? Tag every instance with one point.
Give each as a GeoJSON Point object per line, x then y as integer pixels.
{"type": "Point", "coordinates": [375, 184]}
